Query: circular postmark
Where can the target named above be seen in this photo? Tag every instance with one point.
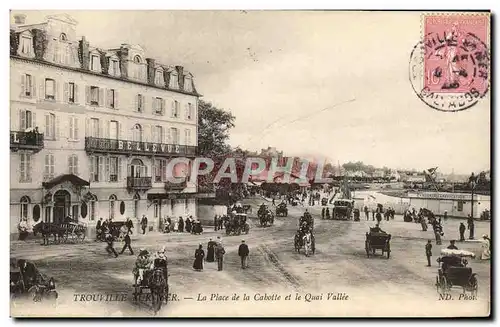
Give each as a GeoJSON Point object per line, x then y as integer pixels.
{"type": "Point", "coordinates": [449, 71]}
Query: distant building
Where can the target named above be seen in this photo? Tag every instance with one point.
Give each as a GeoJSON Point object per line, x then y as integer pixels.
{"type": "Point", "coordinates": [455, 204]}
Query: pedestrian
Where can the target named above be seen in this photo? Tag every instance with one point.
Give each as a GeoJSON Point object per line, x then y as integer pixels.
{"type": "Point", "coordinates": [428, 252]}
{"type": "Point", "coordinates": [274, 204]}
{"type": "Point", "coordinates": [199, 254]}
{"type": "Point", "coordinates": [445, 215]}
{"type": "Point", "coordinates": [438, 237]}
{"type": "Point", "coordinates": [461, 230]}
{"type": "Point", "coordinates": [110, 249]}
{"type": "Point", "coordinates": [211, 251]}
{"type": "Point", "coordinates": [243, 252]}
{"type": "Point", "coordinates": [367, 214]}
{"type": "Point", "coordinates": [219, 255]}
{"type": "Point", "coordinates": [98, 229]}
{"type": "Point", "coordinates": [327, 213]}
{"type": "Point", "coordinates": [176, 226]}
{"type": "Point", "coordinates": [216, 223]}
{"type": "Point", "coordinates": [181, 225]}
{"type": "Point", "coordinates": [323, 213]}
{"type": "Point", "coordinates": [470, 227]}
{"type": "Point", "coordinates": [452, 245]}
{"type": "Point", "coordinates": [129, 224]}
{"type": "Point", "coordinates": [188, 225]}
{"type": "Point", "coordinates": [127, 244]}
{"type": "Point", "coordinates": [144, 224]}
{"type": "Point", "coordinates": [373, 214]}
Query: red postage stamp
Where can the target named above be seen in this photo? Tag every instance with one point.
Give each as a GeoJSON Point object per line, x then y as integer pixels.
{"type": "Point", "coordinates": [450, 67]}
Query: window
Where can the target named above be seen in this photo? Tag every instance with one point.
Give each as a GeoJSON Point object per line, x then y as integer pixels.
{"type": "Point", "coordinates": [113, 130]}
{"type": "Point", "coordinates": [140, 102]}
{"type": "Point", "coordinates": [137, 133]}
{"type": "Point", "coordinates": [26, 120]}
{"type": "Point", "coordinates": [84, 209]}
{"type": "Point", "coordinates": [73, 164]}
{"type": "Point", "coordinates": [156, 211]}
{"type": "Point", "coordinates": [187, 136]}
{"type": "Point", "coordinates": [71, 92]}
{"type": "Point", "coordinates": [174, 135]}
{"type": "Point", "coordinates": [94, 127]}
{"type": "Point", "coordinates": [174, 82]}
{"type": "Point", "coordinates": [25, 201]}
{"type": "Point", "coordinates": [113, 67]}
{"type": "Point", "coordinates": [95, 63]}
{"type": "Point", "coordinates": [73, 128]}
{"type": "Point", "coordinates": [95, 168]}
{"type": "Point", "coordinates": [63, 37]}
{"type": "Point", "coordinates": [137, 169]}
{"type": "Point", "coordinates": [158, 134]}
{"type": "Point", "coordinates": [92, 209]}
{"type": "Point", "coordinates": [36, 213]}
{"type": "Point", "coordinates": [160, 170]}
{"type": "Point", "coordinates": [50, 88]}
{"type": "Point", "coordinates": [50, 126]}
{"type": "Point", "coordinates": [159, 77]}
{"type": "Point", "coordinates": [158, 106]}
{"type": "Point", "coordinates": [175, 109]}
{"type": "Point", "coordinates": [112, 168]}
{"type": "Point", "coordinates": [94, 95]}
{"type": "Point", "coordinates": [74, 212]}
{"type": "Point", "coordinates": [112, 201]}
{"type": "Point", "coordinates": [111, 98]}
{"type": "Point", "coordinates": [26, 45]}
{"type": "Point", "coordinates": [25, 168]}
{"type": "Point", "coordinates": [137, 59]}
{"type": "Point", "coordinates": [460, 206]}
{"type": "Point", "coordinates": [189, 113]}
{"type": "Point", "coordinates": [188, 86]}
{"type": "Point", "coordinates": [49, 167]}
{"type": "Point", "coordinates": [27, 81]}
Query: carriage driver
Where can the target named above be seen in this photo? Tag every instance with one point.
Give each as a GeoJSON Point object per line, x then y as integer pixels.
{"type": "Point", "coordinates": [160, 262]}
{"type": "Point", "coordinates": [142, 263]}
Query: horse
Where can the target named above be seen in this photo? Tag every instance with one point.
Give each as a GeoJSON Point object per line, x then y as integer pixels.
{"type": "Point", "coordinates": [158, 287]}
{"type": "Point", "coordinates": [47, 229]}
{"type": "Point", "coordinates": [307, 241]}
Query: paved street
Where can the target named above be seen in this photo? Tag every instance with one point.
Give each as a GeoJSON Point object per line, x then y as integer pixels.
{"type": "Point", "coordinates": [340, 265]}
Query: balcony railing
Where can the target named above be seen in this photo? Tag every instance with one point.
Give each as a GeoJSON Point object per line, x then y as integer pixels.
{"type": "Point", "coordinates": [172, 186]}
{"type": "Point", "coordinates": [26, 141]}
{"type": "Point", "coordinates": [96, 144]}
{"type": "Point", "coordinates": [139, 183]}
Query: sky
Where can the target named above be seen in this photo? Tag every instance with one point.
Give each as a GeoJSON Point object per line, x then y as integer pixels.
{"type": "Point", "coordinates": [326, 84]}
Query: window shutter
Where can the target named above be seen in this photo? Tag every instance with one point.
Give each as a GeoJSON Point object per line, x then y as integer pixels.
{"type": "Point", "coordinates": [76, 128]}
{"type": "Point", "coordinates": [66, 92]}
{"type": "Point", "coordinates": [33, 120]}
{"type": "Point", "coordinates": [186, 111]}
{"type": "Point", "coordinates": [107, 170]}
{"type": "Point", "coordinates": [137, 102]}
{"type": "Point", "coordinates": [101, 168]}
{"type": "Point", "coordinates": [87, 127]}
{"type": "Point", "coordinates": [116, 99]}
{"type": "Point", "coordinates": [153, 164]}
{"type": "Point", "coordinates": [51, 156]}
{"type": "Point", "coordinates": [108, 129]}
{"type": "Point", "coordinates": [22, 171]}
{"type": "Point", "coordinates": [144, 108]}
{"type": "Point", "coordinates": [91, 168]}
{"type": "Point", "coordinates": [101, 129]}
{"type": "Point", "coordinates": [22, 120]}
{"type": "Point", "coordinates": [58, 132]}
{"type": "Point", "coordinates": [87, 94]}
{"type": "Point", "coordinates": [119, 168]}
{"type": "Point", "coordinates": [129, 170]}
{"type": "Point", "coordinates": [186, 137]}
{"type": "Point", "coordinates": [76, 93]}
{"type": "Point", "coordinates": [42, 89]}
{"type": "Point", "coordinates": [101, 97]}
{"type": "Point", "coordinates": [33, 86]}
{"type": "Point", "coordinates": [75, 165]}
{"type": "Point", "coordinates": [146, 133]}
{"type": "Point", "coordinates": [47, 164]}
{"type": "Point", "coordinates": [71, 127]}
{"type": "Point", "coordinates": [23, 85]}
{"type": "Point", "coordinates": [70, 164]}
{"type": "Point", "coordinates": [153, 106]}
{"type": "Point", "coordinates": [56, 91]}
{"type": "Point", "coordinates": [108, 98]}
{"type": "Point", "coordinates": [120, 131]}
{"type": "Point", "coordinates": [46, 127]}
{"type": "Point", "coordinates": [172, 114]}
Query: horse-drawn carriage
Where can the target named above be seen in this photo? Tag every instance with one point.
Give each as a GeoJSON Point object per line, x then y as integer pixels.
{"type": "Point", "coordinates": [306, 221]}
{"type": "Point", "coordinates": [342, 209]}
{"type": "Point", "coordinates": [27, 281]}
{"type": "Point", "coordinates": [237, 224]}
{"type": "Point", "coordinates": [281, 210]}
{"type": "Point", "coordinates": [266, 216]}
{"type": "Point", "coordinates": [62, 232]}
{"type": "Point", "coordinates": [304, 239]}
{"type": "Point", "coordinates": [154, 280]}
{"type": "Point", "coordinates": [377, 239]}
{"type": "Point", "coordinates": [453, 272]}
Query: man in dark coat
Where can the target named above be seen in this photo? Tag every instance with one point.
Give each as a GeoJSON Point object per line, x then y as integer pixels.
{"type": "Point", "coordinates": [461, 229]}
{"type": "Point", "coordinates": [452, 245]}
{"type": "Point", "coordinates": [323, 213]}
{"type": "Point", "coordinates": [367, 215]}
{"type": "Point", "coordinates": [211, 251]}
{"type": "Point", "coordinates": [181, 225]}
{"type": "Point", "coordinates": [243, 252]}
{"type": "Point", "coordinates": [219, 255]}
{"type": "Point", "coordinates": [188, 225]}
{"type": "Point", "coordinates": [129, 224]}
{"type": "Point", "coordinates": [110, 241]}
{"type": "Point", "coordinates": [98, 228]}
{"type": "Point", "coordinates": [428, 252]}
{"type": "Point", "coordinates": [144, 224]}
{"type": "Point", "coordinates": [128, 241]}
{"type": "Point", "coordinates": [29, 273]}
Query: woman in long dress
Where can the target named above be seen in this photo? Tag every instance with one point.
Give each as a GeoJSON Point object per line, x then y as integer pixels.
{"type": "Point", "coordinates": [486, 255]}
{"type": "Point", "coordinates": [199, 254]}
{"type": "Point", "coordinates": [211, 251]}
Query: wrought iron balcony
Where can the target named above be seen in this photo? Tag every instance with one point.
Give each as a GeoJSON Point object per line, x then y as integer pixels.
{"type": "Point", "coordinates": [96, 144]}
{"type": "Point", "coordinates": [26, 141]}
{"type": "Point", "coordinates": [172, 186]}
{"type": "Point", "coordinates": [139, 183]}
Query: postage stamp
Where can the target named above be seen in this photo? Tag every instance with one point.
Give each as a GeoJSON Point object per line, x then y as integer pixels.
{"type": "Point", "coordinates": [449, 67]}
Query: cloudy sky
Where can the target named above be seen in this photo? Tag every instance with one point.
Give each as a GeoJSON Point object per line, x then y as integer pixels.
{"type": "Point", "coordinates": [309, 83]}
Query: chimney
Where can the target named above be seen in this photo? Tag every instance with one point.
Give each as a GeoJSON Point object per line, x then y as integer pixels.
{"type": "Point", "coordinates": [123, 55]}
{"type": "Point", "coordinates": [20, 19]}
{"type": "Point", "coordinates": [84, 53]}
{"type": "Point", "coordinates": [151, 70]}
{"type": "Point", "coordinates": [180, 73]}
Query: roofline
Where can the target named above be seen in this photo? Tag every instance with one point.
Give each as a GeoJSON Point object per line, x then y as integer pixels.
{"type": "Point", "coordinates": [81, 70]}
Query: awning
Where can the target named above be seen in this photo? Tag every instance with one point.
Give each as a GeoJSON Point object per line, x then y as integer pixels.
{"type": "Point", "coordinates": [157, 196]}
{"type": "Point", "coordinates": [73, 179]}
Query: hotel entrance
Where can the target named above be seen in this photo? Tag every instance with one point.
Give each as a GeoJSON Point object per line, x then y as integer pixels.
{"type": "Point", "coordinates": [62, 205]}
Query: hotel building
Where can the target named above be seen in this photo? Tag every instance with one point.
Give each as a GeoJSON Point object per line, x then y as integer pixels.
{"type": "Point", "coordinates": [92, 130]}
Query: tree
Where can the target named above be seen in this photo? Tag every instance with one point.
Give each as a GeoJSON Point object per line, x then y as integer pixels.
{"type": "Point", "coordinates": [213, 130]}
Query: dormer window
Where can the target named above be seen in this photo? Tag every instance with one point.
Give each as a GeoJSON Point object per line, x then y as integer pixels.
{"type": "Point", "coordinates": [137, 59]}
{"type": "Point", "coordinates": [114, 68]}
{"type": "Point", "coordinates": [188, 86]}
{"type": "Point", "coordinates": [95, 63]}
{"type": "Point", "coordinates": [174, 82]}
{"type": "Point", "coordinates": [159, 77]}
{"type": "Point", "coordinates": [63, 37]}
{"type": "Point", "coordinates": [26, 45]}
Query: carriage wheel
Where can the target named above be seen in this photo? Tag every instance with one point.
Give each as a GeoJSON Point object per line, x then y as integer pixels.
{"type": "Point", "coordinates": [473, 285]}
